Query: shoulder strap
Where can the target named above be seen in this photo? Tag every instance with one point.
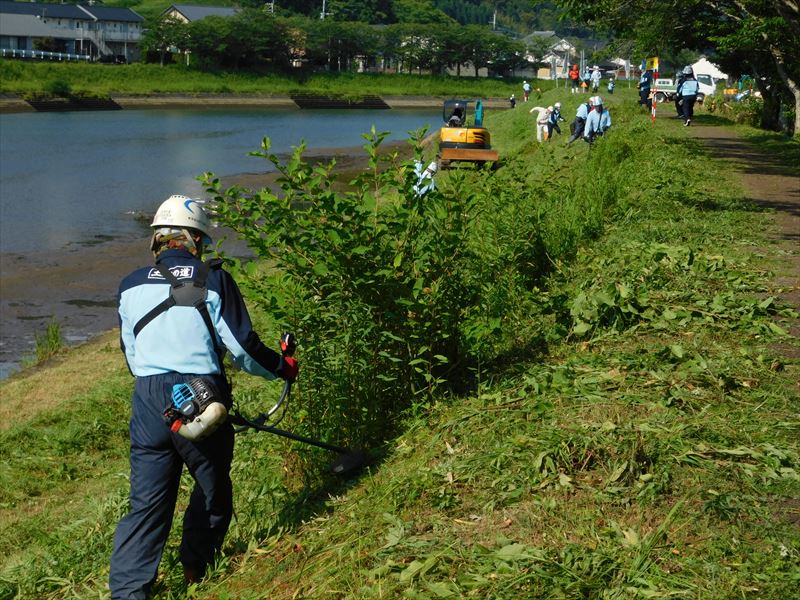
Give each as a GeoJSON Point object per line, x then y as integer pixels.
{"type": "Point", "coordinates": [162, 307]}
{"type": "Point", "coordinates": [189, 292]}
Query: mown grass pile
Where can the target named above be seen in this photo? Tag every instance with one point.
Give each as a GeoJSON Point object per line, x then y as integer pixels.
{"type": "Point", "coordinates": [617, 426]}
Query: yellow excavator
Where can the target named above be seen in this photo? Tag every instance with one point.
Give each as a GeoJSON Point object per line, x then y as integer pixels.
{"type": "Point", "coordinates": [462, 140]}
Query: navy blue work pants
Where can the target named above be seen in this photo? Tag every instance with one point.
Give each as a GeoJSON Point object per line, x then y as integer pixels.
{"type": "Point", "coordinates": [157, 459]}
{"type": "Point", "coordinates": [688, 107]}
{"type": "Point", "coordinates": [577, 129]}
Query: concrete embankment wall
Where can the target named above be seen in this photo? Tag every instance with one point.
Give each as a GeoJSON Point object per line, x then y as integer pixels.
{"type": "Point", "coordinates": [10, 104]}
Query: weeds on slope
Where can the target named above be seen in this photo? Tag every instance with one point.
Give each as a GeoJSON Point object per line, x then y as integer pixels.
{"type": "Point", "coordinates": [652, 453]}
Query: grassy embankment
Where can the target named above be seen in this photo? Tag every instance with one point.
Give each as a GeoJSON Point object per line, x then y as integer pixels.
{"type": "Point", "coordinates": [655, 453]}
{"type": "Point", "coordinates": [29, 78]}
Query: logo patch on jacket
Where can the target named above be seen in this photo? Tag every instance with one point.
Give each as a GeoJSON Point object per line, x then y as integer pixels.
{"type": "Point", "coordinates": [180, 272]}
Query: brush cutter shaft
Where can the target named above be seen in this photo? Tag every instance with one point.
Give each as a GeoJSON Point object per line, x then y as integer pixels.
{"type": "Point", "coordinates": [259, 424]}
{"type": "Point", "coordinates": [296, 437]}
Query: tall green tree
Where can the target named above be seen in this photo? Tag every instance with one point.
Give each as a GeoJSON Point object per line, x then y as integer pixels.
{"type": "Point", "coordinates": [164, 36]}
{"type": "Point", "coordinates": [420, 11]}
{"type": "Point", "coordinates": [479, 46]}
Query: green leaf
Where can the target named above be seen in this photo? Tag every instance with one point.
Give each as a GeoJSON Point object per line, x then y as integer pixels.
{"type": "Point", "coordinates": [618, 472]}
{"type": "Point", "coordinates": [441, 589]}
{"type": "Point", "coordinates": [416, 568]}
{"type": "Point", "coordinates": [581, 328]}
{"type": "Point", "coordinates": [777, 329]}
{"type": "Point", "coordinates": [767, 303]}
{"type": "Point", "coordinates": [513, 552]}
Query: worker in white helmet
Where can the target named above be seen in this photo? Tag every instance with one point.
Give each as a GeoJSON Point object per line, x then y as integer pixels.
{"type": "Point", "coordinates": [178, 318]}
{"type": "Point", "coordinates": [553, 120]}
{"type": "Point", "coordinates": [598, 121]}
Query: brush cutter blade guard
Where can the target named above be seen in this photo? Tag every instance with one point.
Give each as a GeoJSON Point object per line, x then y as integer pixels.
{"type": "Point", "coordinates": [352, 461]}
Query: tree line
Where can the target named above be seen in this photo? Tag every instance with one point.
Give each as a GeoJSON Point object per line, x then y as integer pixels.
{"type": "Point", "coordinates": [255, 39]}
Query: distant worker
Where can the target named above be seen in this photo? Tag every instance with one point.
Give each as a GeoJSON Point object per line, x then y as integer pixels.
{"type": "Point", "coordinates": [553, 120]}
{"type": "Point", "coordinates": [542, 117]}
{"type": "Point", "coordinates": [178, 318]}
{"type": "Point", "coordinates": [611, 85]}
{"type": "Point", "coordinates": [586, 79]}
{"type": "Point", "coordinates": [596, 76]}
{"type": "Point", "coordinates": [679, 79]}
{"type": "Point", "coordinates": [526, 91]}
{"type": "Point", "coordinates": [575, 77]}
{"type": "Point", "coordinates": [456, 118]}
{"type": "Point", "coordinates": [598, 122]}
{"type": "Point", "coordinates": [688, 93]}
{"type": "Point", "coordinates": [579, 123]}
{"type": "Point", "coordinates": [645, 82]}
{"type": "Point", "coordinates": [512, 101]}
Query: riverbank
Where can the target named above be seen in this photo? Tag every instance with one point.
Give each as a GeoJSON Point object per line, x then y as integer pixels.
{"type": "Point", "coordinates": [10, 103]}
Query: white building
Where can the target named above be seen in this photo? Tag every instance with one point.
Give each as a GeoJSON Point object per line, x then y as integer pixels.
{"type": "Point", "coordinates": [88, 31]}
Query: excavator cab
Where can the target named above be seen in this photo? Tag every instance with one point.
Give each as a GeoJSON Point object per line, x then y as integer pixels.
{"type": "Point", "coordinates": [463, 137]}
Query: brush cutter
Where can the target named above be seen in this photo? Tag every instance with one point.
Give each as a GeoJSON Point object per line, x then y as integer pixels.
{"type": "Point", "coordinates": [348, 461]}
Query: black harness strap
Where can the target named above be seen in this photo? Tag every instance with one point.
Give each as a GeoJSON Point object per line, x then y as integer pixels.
{"type": "Point", "coordinates": [189, 292]}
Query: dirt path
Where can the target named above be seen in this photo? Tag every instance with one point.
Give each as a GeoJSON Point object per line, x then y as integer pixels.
{"type": "Point", "coordinates": [769, 183]}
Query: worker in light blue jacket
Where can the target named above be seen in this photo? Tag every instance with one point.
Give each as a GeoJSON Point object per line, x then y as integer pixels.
{"type": "Point", "coordinates": [177, 319]}
{"type": "Point", "coordinates": [598, 122]}
{"type": "Point", "coordinates": [687, 92]}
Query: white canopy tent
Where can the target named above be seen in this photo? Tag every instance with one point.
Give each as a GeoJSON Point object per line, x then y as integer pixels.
{"type": "Point", "coordinates": [706, 67]}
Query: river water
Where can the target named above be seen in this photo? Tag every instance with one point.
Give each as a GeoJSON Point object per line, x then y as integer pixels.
{"type": "Point", "coordinates": [74, 188]}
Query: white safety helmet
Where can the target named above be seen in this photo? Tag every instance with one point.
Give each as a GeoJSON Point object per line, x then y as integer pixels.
{"type": "Point", "coordinates": [177, 215]}
{"type": "Point", "coordinates": [557, 104]}
{"type": "Point", "coordinates": [597, 101]}
{"type": "Point", "coordinates": [181, 212]}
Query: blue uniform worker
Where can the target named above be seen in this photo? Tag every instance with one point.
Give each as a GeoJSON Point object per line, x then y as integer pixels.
{"type": "Point", "coordinates": [168, 346]}
{"type": "Point", "coordinates": [645, 82]}
{"type": "Point", "coordinates": [687, 92]}
{"type": "Point", "coordinates": [553, 120]}
{"type": "Point", "coordinates": [598, 122]}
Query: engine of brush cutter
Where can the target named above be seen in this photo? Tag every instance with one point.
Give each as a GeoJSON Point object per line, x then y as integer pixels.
{"type": "Point", "coordinates": [196, 410]}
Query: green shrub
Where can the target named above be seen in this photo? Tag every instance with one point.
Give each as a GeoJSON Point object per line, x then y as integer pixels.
{"type": "Point", "coordinates": [394, 296]}
{"type": "Point", "coordinates": [375, 281]}
{"type": "Point", "coordinates": [58, 87]}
